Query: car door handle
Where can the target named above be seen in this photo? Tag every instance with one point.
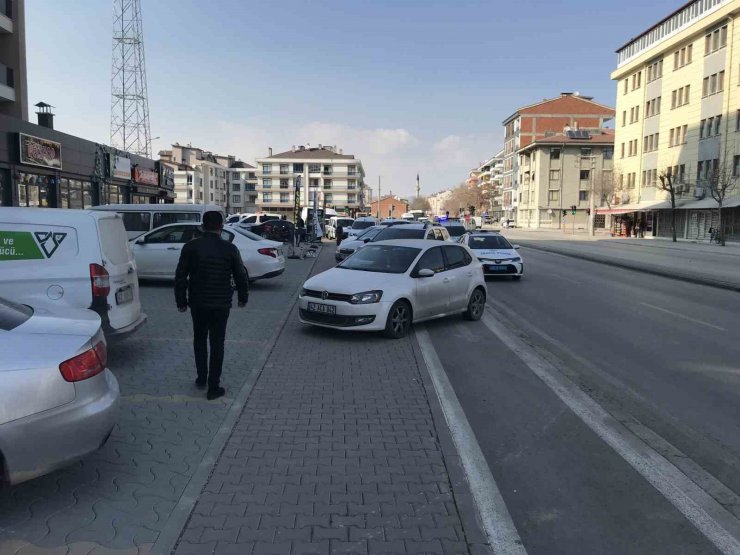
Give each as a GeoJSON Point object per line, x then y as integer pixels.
{"type": "Point", "coordinates": [173, 248]}
{"type": "Point", "coordinates": [446, 280]}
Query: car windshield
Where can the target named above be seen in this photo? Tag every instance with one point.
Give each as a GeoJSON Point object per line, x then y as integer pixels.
{"type": "Point", "coordinates": [13, 314]}
{"type": "Point", "coordinates": [345, 222]}
{"type": "Point", "coordinates": [370, 233]}
{"type": "Point", "coordinates": [386, 259]}
{"type": "Point", "coordinates": [488, 242]}
{"type": "Point", "coordinates": [248, 234]}
{"type": "Point", "coordinates": [363, 224]}
{"type": "Point", "coordinates": [400, 232]}
{"type": "Point", "coordinates": [455, 230]}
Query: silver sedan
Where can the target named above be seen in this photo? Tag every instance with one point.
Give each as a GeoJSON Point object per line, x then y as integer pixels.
{"type": "Point", "coordinates": [58, 401]}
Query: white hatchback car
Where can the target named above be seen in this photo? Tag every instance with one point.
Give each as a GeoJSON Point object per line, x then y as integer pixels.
{"type": "Point", "coordinates": [158, 251]}
{"type": "Point", "coordinates": [498, 256]}
{"type": "Point", "coordinates": [388, 285]}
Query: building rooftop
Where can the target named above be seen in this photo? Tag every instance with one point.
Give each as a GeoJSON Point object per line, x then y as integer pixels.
{"type": "Point", "coordinates": [240, 164]}
{"type": "Point", "coordinates": [313, 153]}
{"type": "Point", "coordinates": [567, 103]}
{"type": "Point", "coordinates": [600, 137]}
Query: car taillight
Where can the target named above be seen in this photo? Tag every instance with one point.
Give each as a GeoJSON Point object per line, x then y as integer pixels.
{"type": "Point", "coordinates": [99, 281]}
{"type": "Point", "coordinates": [86, 365]}
{"type": "Point", "coordinates": [268, 252]}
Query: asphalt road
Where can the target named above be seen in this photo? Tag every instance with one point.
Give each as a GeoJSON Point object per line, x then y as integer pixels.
{"type": "Point", "coordinates": [660, 356]}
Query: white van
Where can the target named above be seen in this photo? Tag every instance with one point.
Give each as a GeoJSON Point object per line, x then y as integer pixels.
{"type": "Point", "coordinates": [335, 221]}
{"type": "Point", "coordinates": [70, 258]}
{"type": "Point", "coordinates": [140, 218]}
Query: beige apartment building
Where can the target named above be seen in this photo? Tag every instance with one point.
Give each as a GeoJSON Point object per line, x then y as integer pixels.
{"type": "Point", "coordinates": [678, 113]}
{"type": "Point", "coordinates": [335, 179]}
{"type": "Point", "coordinates": [561, 171]}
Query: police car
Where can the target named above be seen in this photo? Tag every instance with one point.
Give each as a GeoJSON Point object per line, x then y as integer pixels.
{"type": "Point", "coordinates": [497, 255]}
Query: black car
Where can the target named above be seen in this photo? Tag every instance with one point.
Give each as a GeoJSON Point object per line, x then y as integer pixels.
{"type": "Point", "coordinates": [275, 230]}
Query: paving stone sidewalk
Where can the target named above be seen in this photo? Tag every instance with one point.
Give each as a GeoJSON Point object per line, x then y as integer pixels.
{"type": "Point", "coordinates": [118, 500]}
{"type": "Point", "coordinates": [336, 451]}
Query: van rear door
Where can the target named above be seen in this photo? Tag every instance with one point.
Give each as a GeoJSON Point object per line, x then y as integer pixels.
{"type": "Point", "coordinates": [124, 306]}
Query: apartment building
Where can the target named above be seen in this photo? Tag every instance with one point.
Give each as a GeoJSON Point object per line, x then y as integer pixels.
{"type": "Point", "coordinates": [13, 89]}
{"type": "Point", "coordinates": [437, 201]}
{"type": "Point", "coordinates": [529, 123]}
{"type": "Point", "coordinates": [243, 187]}
{"type": "Point", "coordinates": [490, 183]}
{"type": "Point", "coordinates": [201, 177]}
{"type": "Point", "coordinates": [336, 180]}
{"type": "Point", "coordinates": [561, 171]}
{"type": "Point", "coordinates": [678, 113]}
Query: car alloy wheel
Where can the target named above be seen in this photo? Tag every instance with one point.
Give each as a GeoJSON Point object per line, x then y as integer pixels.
{"type": "Point", "coordinates": [399, 320]}
{"type": "Point", "coordinates": [476, 305]}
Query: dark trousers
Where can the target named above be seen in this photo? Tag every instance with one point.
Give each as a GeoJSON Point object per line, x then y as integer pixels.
{"type": "Point", "coordinates": [209, 324]}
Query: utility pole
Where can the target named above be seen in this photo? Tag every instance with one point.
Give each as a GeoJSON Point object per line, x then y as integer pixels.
{"type": "Point", "coordinates": [377, 213]}
{"type": "Point", "coordinates": [591, 214]}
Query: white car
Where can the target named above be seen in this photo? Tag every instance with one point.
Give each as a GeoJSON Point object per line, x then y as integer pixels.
{"type": "Point", "coordinates": [498, 256]}
{"type": "Point", "coordinates": [58, 401]}
{"type": "Point", "coordinates": [351, 244]}
{"type": "Point", "coordinates": [158, 251]}
{"type": "Point", "coordinates": [360, 225]}
{"type": "Point", "coordinates": [388, 285]}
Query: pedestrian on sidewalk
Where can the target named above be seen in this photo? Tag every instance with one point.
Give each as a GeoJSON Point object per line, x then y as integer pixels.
{"type": "Point", "coordinates": [638, 228]}
{"type": "Point", "coordinates": [203, 282]}
{"type": "Point", "coordinates": [339, 232]}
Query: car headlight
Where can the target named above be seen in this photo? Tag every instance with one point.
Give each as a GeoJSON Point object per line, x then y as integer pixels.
{"type": "Point", "coordinates": [367, 297]}
{"type": "Point", "coordinates": [303, 291]}
{"type": "Point", "coordinates": [517, 259]}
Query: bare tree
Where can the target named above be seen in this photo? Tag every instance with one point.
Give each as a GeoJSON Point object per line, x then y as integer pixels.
{"type": "Point", "coordinates": [605, 185]}
{"type": "Point", "coordinates": [723, 181]}
{"type": "Point", "coordinates": [666, 183]}
{"type": "Point", "coordinates": [420, 203]}
{"type": "Point", "coordinates": [462, 197]}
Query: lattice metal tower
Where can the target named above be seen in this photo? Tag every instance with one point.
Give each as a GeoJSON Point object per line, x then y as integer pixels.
{"type": "Point", "coordinates": [129, 114]}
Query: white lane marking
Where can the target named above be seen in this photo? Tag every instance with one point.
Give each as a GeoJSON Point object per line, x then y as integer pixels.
{"type": "Point", "coordinates": [678, 315]}
{"type": "Point", "coordinates": [709, 517]}
{"type": "Point", "coordinates": [495, 517]}
{"type": "Point", "coordinates": [551, 274]}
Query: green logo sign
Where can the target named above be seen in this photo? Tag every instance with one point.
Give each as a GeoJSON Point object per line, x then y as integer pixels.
{"type": "Point", "coordinates": [24, 245]}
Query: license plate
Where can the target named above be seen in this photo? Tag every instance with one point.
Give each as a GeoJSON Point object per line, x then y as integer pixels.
{"type": "Point", "coordinates": [322, 308]}
{"type": "Point", "coordinates": [497, 267]}
{"type": "Point", "coordinates": [124, 295]}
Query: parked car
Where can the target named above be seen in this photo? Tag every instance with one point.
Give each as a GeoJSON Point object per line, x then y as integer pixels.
{"type": "Point", "coordinates": [350, 245]}
{"type": "Point", "coordinates": [455, 228]}
{"type": "Point", "coordinates": [281, 231]}
{"type": "Point", "coordinates": [335, 221]}
{"type": "Point", "coordinates": [498, 256]}
{"type": "Point", "coordinates": [71, 259]}
{"type": "Point", "coordinates": [58, 401]}
{"type": "Point", "coordinates": [140, 218]}
{"type": "Point", "coordinates": [158, 251]}
{"type": "Point", "coordinates": [361, 224]}
{"type": "Point", "coordinates": [409, 230]}
{"type": "Point", "coordinates": [389, 285]}
{"type": "Point", "coordinates": [508, 223]}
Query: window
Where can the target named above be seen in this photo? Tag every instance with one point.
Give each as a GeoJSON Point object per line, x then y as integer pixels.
{"type": "Point", "coordinates": [455, 257]}
{"type": "Point", "coordinates": [352, 199]}
{"type": "Point", "coordinates": [266, 168]}
{"type": "Point", "coordinates": [174, 234]}
{"type": "Point", "coordinates": [582, 195]}
{"type": "Point", "coordinates": [285, 197]}
{"type": "Point", "coordinates": [431, 260]}
{"type": "Point", "coordinates": [717, 122]}
{"type": "Point", "coordinates": [327, 183]}
{"type": "Point", "coordinates": [190, 179]}
{"type": "Point", "coordinates": [351, 184]}
{"type": "Point", "coordinates": [626, 81]}
{"type": "Point", "coordinates": [680, 97]}
{"type": "Point", "coordinates": [655, 71]}
{"type": "Point", "coordinates": [737, 120]}
{"type": "Point", "coordinates": [721, 81]}
{"type": "Point", "coordinates": [284, 169]}
{"type": "Point", "coordinates": [736, 166]}
{"type": "Point", "coordinates": [235, 187]}
{"type": "Point", "coordinates": [585, 174]}
{"type": "Point", "coordinates": [313, 182]}
{"type": "Point", "coordinates": [351, 170]}
{"type": "Point", "coordinates": [622, 156]}
{"type": "Point", "coordinates": [608, 153]}
{"type": "Point", "coordinates": [554, 175]}
{"type": "Point", "coordinates": [553, 196]}
{"type": "Point", "coordinates": [585, 151]}
{"type": "Point", "coordinates": [314, 168]}
{"type": "Point", "coordinates": [267, 182]}
{"type": "Point", "coordinates": [327, 169]}
{"type": "Point", "coordinates": [266, 197]}
{"type": "Point", "coordinates": [136, 221]}
{"type": "Point", "coordinates": [715, 40]}
{"type": "Point", "coordinates": [624, 118]}
{"type": "Point", "coordinates": [236, 199]}
{"type": "Point", "coordinates": [555, 152]}
{"type": "Point", "coordinates": [283, 183]}
{"type": "Point", "coordinates": [329, 198]}
{"type": "Point", "coordinates": [713, 84]}
{"type": "Point", "coordinates": [297, 168]}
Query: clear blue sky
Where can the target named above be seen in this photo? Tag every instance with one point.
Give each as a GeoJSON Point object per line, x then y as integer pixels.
{"type": "Point", "coordinates": [406, 86]}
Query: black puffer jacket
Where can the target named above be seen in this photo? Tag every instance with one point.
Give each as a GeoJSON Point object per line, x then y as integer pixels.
{"type": "Point", "coordinates": [204, 272]}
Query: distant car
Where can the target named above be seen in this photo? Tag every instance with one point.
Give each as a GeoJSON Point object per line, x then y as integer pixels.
{"type": "Point", "coordinates": [389, 285]}
{"type": "Point", "coordinates": [509, 223]}
{"type": "Point", "coordinates": [498, 256]}
{"type": "Point", "coordinates": [58, 401]}
{"type": "Point", "coordinates": [455, 228]}
{"type": "Point", "coordinates": [410, 230]}
{"type": "Point", "coordinates": [158, 252]}
{"type": "Point", "coordinates": [351, 244]}
{"type": "Point", "coordinates": [361, 224]}
{"type": "Point", "coordinates": [335, 222]}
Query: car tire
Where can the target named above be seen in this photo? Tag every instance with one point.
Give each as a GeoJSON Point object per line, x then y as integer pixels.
{"type": "Point", "coordinates": [476, 305]}
{"type": "Point", "coordinates": [516, 278]}
{"type": "Point", "coordinates": [398, 323]}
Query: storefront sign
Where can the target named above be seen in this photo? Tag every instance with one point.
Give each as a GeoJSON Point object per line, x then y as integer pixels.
{"type": "Point", "coordinates": [166, 177]}
{"type": "Point", "coordinates": [146, 177]}
{"type": "Point", "coordinates": [144, 190]}
{"type": "Point", "coordinates": [40, 152]}
{"type": "Point", "coordinates": [120, 167]}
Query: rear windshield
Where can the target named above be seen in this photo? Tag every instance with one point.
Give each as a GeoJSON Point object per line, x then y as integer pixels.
{"type": "Point", "coordinates": [370, 233]}
{"type": "Point", "coordinates": [363, 224]}
{"type": "Point", "coordinates": [13, 315]}
{"type": "Point", "coordinates": [400, 232]}
{"type": "Point", "coordinates": [113, 240]}
{"type": "Point", "coordinates": [455, 230]}
{"type": "Point", "coordinates": [248, 234]}
{"type": "Point", "coordinates": [488, 242]}
{"type": "Point", "coordinates": [386, 259]}
{"type": "Point", "coordinates": [345, 222]}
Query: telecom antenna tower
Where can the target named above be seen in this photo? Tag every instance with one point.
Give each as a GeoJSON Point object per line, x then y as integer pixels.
{"type": "Point", "coordinates": [129, 114]}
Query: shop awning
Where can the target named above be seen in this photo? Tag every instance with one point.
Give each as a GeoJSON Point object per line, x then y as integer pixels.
{"type": "Point", "coordinates": [637, 207]}
{"type": "Point", "coordinates": [709, 203]}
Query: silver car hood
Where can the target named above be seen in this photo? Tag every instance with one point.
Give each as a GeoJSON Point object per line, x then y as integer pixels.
{"type": "Point", "coordinates": [72, 321]}
{"type": "Point", "coordinates": [350, 244]}
{"type": "Point", "coordinates": [349, 282]}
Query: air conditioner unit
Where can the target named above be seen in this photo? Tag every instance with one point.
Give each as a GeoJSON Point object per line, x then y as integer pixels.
{"type": "Point", "coordinates": [699, 192]}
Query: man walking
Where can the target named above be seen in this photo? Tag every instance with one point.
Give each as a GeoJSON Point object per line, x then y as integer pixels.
{"type": "Point", "coordinates": [203, 282]}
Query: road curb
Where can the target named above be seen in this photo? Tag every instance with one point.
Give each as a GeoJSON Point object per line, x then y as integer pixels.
{"type": "Point", "coordinates": [653, 270]}
{"type": "Point", "coordinates": [170, 535]}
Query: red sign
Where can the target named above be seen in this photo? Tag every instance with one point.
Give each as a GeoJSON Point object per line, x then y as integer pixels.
{"type": "Point", "coordinates": [146, 177]}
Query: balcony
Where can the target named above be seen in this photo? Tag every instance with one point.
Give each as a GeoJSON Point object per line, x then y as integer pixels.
{"type": "Point", "coordinates": [7, 84]}
{"type": "Point", "coordinates": [6, 16]}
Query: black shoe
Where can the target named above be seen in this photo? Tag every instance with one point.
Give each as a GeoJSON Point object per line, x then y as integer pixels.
{"type": "Point", "coordinates": [215, 393]}
{"type": "Point", "coordinates": [200, 383]}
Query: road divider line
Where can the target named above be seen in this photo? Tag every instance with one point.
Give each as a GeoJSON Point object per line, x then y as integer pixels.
{"type": "Point", "coordinates": [494, 516]}
{"type": "Point", "coordinates": [679, 315]}
{"type": "Point", "coordinates": [718, 525]}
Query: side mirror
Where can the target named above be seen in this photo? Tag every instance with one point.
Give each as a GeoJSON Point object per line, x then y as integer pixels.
{"type": "Point", "coordinates": [516, 247]}
{"type": "Point", "coordinates": [367, 240]}
{"type": "Point", "coordinates": [141, 240]}
{"type": "Point", "coordinates": [425, 273]}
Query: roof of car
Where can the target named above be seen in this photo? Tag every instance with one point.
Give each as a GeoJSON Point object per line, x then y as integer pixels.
{"type": "Point", "coordinates": [484, 232]}
{"type": "Point", "coordinates": [415, 243]}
